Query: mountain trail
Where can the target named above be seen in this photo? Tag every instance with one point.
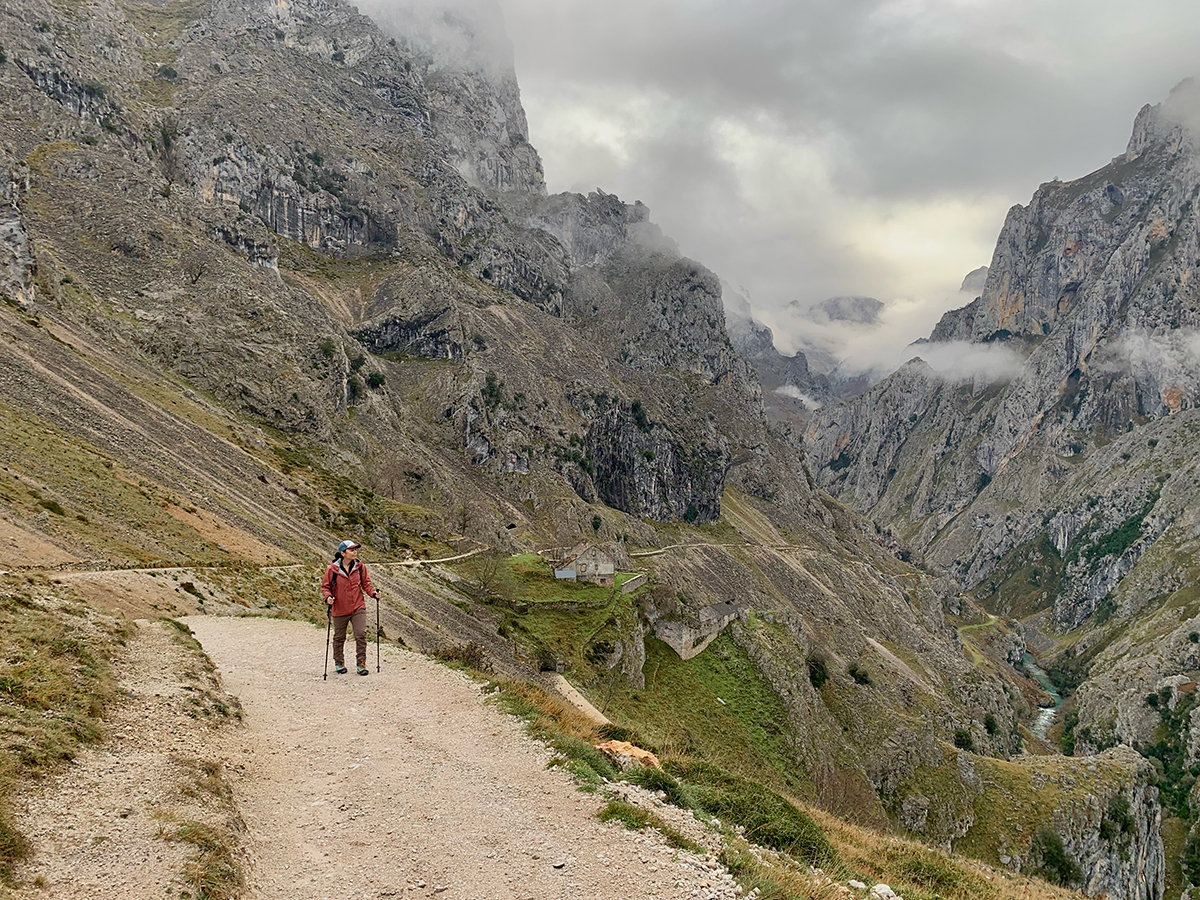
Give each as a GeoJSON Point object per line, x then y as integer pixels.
{"type": "Point", "coordinates": [405, 783]}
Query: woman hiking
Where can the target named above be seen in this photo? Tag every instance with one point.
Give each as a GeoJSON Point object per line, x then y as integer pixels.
{"type": "Point", "coordinates": [344, 586]}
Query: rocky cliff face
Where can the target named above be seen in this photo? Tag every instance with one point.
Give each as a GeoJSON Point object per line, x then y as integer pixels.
{"type": "Point", "coordinates": [1092, 291]}
{"type": "Point", "coordinates": [17, 265]}
{"type": "Point", "coordinates": [464, 60]}
{"type": "Point", "coordinates": [1063, 492]}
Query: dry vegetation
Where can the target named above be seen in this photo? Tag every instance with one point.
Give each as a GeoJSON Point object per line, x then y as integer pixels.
{"type": "Point", "coordinates": [811, 854]}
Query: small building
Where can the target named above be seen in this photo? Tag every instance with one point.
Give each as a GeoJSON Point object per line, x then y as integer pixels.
{"type": "Point", "coordinates": [587, 562]}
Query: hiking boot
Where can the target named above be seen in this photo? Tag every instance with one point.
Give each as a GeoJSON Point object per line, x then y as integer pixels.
{"type": "Point", "coordinates": [363, 670]}
{"type": "Point", "coordinates": [339, 668]}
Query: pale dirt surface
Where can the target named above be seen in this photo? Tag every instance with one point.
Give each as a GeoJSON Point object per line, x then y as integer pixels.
{"type": "Point", "coordinates": [95, 828]}
{"type": "Point", "coordinates": [223, 534]}
{"type": "Point", "coordinates": [407, 784]}
{"type": "Point", "coordinates": [134, 592]}
{"type": "Point", "coordinates": [19, 547]}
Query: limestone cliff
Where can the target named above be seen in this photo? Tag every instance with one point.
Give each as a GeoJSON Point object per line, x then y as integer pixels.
{"type": "Point", "coordinates": [1064, 492]}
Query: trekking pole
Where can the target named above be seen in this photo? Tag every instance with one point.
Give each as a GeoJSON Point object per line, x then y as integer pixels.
{"type": "Point", "coordinates": [377, 632]}
{"type": "Point", "coordinates": [328, 628]}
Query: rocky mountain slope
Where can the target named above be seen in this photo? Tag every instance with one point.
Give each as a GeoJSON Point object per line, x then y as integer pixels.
{"type": "Point", "coordinates": [273, 274]}
{"type": "Point", "coordinates": [1064, 495]}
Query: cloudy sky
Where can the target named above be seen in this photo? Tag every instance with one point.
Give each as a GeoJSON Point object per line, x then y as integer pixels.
{"type": "Point", "coordinates": [809, 148]}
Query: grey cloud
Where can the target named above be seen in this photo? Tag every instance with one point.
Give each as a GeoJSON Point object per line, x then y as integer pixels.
{"type": "Point", "coordinates": [884, 140]}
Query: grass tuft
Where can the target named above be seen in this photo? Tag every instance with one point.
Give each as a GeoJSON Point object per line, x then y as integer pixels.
{"type": "Point", "coordinates": [768, 818]}
{"type": "Point", "coordinates": [214, 869]}
{"type": "Point", "coordinates": [653, 779]}
{"type": "Point", "coordinates": [635, 818]}
{"type": "Point", "coordinates": [55, 681]}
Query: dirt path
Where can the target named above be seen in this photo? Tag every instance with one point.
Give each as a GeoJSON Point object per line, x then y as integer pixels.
{"type": "Point", "coordinates": [405, 784]}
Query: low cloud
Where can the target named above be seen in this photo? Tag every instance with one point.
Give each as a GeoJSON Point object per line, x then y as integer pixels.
{"type": "Point", "coordinates": [1167, 357]}
{"type": "Point", "coordinates": [812, 149]}
{"type": "Point", "coordinates": [961, 360]}
{"type": "Point", "coordinates": [795, 393]}
{"type": "Point", "coordinates": [873, 349]}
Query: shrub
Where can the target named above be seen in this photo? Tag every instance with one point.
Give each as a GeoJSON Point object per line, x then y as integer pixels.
{"type": "Point", "coordinates": [1194, 637]}
{"type": "Point", "coordinates": [1053, 862]}
{"type": "Point", "coordinates": [493, 390]}
{"type": "Point", "coordinates": [375, 380]}
{"type": "Point", "coordinates": [1118, 818]}
{"type": "Point", "coordinates": [989, 724]}
{"type": "Point", "coordinates": [1067, 741]}
{"type": "Point", "coordinates": [818, 672]}
{"type": "Point", "coordinates": [640, 418]}
{"type": "Point", "coordinates": [327, 347]}
{"type": "Point", "coordinates": [859, 674]}
{"type": "Point", "coordinates": [962, 739]}
{"type": "Point", "coordinates": [470, 654]}
{"type": "Point", "coordinates": [3, 57]}
{"type": "Point", "coordinates": [596, 522]}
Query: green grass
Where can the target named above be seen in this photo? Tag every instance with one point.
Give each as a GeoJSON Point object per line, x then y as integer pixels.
{"type": "Point", "coordinates": [846, 851]}
{"type": "Point", "coordinates": [98, 503]}
{"type": "Point", "coordinates": [768, 818]}
{"type": "Point", "coordinates": [55, 680]}
{"type": "Point", "coordinates": [528, 578]}
{"type": "Point", "coordinates": [680, 710]}
{"type": "Point", "coordinates": [635, 818]}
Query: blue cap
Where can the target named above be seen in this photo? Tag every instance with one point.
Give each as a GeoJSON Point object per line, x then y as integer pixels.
{"type": "Point", "coordinates": [346, 545]}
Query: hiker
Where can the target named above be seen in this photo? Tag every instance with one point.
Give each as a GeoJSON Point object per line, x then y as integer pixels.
{"type": "Point", "coordinates": [344, 586]}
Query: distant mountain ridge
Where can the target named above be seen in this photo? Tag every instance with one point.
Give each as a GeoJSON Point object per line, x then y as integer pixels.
{"type": "Point", "coordinates": [1066, 497]}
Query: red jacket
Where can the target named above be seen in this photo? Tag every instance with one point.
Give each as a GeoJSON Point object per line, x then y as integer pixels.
{"type": "Point", "coordinates": [346, 588]}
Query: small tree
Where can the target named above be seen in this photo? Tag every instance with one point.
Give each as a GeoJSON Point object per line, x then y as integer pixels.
{"type": "Point", "coordinates": [487, 568]}
{"type": "Point", "coordinates": [1053, 862]}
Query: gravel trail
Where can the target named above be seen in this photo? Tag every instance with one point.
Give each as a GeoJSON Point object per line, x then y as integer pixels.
{"type": "Point", "coordinates": [406, 784]}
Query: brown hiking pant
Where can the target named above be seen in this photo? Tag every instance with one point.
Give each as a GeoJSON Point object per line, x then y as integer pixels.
{"type": "Point", "coordinates": [359, 621]}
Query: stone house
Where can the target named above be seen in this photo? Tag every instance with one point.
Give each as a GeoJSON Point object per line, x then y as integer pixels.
{"type": "Point", "coordinates": [587, 562]}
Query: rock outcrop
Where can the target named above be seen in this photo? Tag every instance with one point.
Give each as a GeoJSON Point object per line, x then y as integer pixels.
{"type": "Point", "coordinates": [18, 267]}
